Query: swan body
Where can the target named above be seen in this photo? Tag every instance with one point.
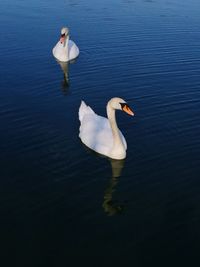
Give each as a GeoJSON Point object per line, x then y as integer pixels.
{"type": "Point", "coordinates": [65, 49]}
{"type": "Point", "coordinates": [102, 134]}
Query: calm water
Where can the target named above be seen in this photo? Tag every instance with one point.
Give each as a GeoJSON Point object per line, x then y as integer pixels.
{"type": "Point", "coordinates": [60, 204]}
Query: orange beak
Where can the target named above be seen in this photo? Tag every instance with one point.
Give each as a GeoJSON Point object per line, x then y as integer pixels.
{"type": "Point", "coordinates": [62, 38]}
{"type": "Point", "coordinates": [127, 109]}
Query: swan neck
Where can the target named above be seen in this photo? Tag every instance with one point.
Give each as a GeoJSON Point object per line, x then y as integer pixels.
{"type": "Point", "coordinates": [113, 124]}
{"type": "Point", "coordinates": [66, 46]}
{"type": "Point", "coordinates": [66, 42]}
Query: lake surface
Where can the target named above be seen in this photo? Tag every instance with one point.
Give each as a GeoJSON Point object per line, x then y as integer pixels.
{"type": "Point", "coordinates": [61, 204]}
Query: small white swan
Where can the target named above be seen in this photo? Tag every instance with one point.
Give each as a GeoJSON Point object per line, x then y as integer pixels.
{"type": "Point", "coordinates": [65, 49]}
{"type": "Point", "coordinates": [101, 134]}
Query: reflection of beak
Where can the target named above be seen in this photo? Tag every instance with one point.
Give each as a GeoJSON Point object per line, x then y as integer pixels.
{"type": "Point", "coordinates": [127, 109]}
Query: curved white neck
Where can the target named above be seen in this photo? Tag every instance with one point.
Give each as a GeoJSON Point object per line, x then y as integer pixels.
{"type": "Point", "coordinates": [117, 141]}
{"type": "Point", "coordinates": [65, 45]}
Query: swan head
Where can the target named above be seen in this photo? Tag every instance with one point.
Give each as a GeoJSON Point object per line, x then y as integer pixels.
{"type": "Point", "coordinates": [64, 34]}
{"type": "Point", "coordinates": [120, 104]}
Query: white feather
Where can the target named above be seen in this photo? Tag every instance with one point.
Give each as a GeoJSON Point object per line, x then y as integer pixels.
{"type": "Point", "coordinates": [65, 51]}
{"type": "Point", "coordinates": [95, 131]}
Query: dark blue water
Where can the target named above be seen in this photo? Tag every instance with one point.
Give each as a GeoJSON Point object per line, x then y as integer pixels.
{"type": "Point", "coordinates": [60, 204]}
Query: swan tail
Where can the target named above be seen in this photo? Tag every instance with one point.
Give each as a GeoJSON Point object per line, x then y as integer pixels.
{"type": "Point", "coordinates": [83, 110]}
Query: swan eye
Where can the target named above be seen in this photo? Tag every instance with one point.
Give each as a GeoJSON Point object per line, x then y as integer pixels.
{"type": "Point", "coordinates": [63, 35]}
{"type": "Point", "coordinates": [122, 105]}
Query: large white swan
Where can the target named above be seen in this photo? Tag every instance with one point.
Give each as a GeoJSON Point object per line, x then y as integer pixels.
{"type": "Point", "coordinates": [101, 134]}
{"type": "Point", "coordinates": [65, 49]}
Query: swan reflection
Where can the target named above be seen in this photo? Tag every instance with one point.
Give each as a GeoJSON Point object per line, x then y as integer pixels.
{"type": "Point", "coordinates": [109, 206]}
{"type": "Point", "coordinates": [65, 69]}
